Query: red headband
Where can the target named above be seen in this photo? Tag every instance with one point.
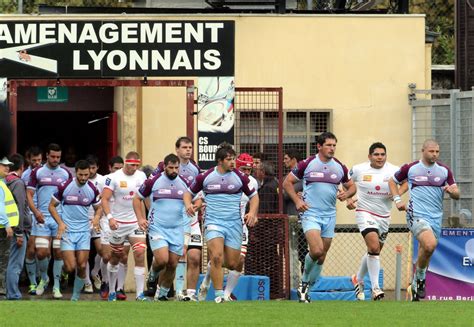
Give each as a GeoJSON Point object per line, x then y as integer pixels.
{"type": "Point", "coordinates": [132, 161]}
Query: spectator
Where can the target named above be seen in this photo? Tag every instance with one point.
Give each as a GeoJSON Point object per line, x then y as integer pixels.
{"type": "Point", "coordinates": [268, 189]}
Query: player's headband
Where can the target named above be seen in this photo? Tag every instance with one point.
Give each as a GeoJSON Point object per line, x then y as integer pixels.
{"type": "Point", "coordinates": [132, 161]}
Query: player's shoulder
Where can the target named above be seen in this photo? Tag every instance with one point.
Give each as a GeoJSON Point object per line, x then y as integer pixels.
{"type": "Point", "coordinates": [361, 166]}
{"type": "Point", "coordinates": [391, 167]}
{"type": "Point", "coordinates": [140, 175]}
{"type": "Point", "coordinates": [338, 162]}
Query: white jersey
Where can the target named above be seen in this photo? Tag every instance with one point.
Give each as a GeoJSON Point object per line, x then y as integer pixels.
{"type": "Point", "coordinates": [372, 188]}
{"type": "Point", "coordinates": [124, 188]}
{"type": "Point", "coordinates": [245, 199]}
{"type": "Point", "coordinates": [98, 182]}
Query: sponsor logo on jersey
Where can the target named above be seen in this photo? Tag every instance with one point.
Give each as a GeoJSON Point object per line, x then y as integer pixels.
{"type": "Point", "coordinates": [421, 178]}
{"type": "Point", "coordinates": [180, 192]}
{"type": "Point", "coordinates": [164, 191]}
{"type": "Point", "coordinates": [367, 178]}
{"type": "Point", "coordinates": [316, 174]}
{"type": "Point", "coordinates": [85, 200]}
{"type": "Point", "coordinates": [123, 184]}
{"type": "Point", "coordinates": [72, 198]}
{"type": "Point", "coordinates": [46, 179]}
{"type": "Point", "coordinates": [437, 179]}
{"type": "Point", "coordinates": [333, 176]}
{"type": "Point", "coordinates": [108, 181]}
{"type": "Point", "coordinates": [214, 187]}
{"type": "Point", "coordinates": [231, 187]}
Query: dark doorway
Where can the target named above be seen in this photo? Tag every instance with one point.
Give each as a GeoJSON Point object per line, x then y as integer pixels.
{"type": "Point", "coordinates": [82, 123]}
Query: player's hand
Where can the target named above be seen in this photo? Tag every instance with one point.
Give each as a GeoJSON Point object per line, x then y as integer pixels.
{"type": "Point", "coordinates": [341, 195]}
{"type": "Point", "coordinates": [143, 223]}
{"type": "Point", "coordinates": [191, 210]}
{"type": "Point", "coordinates": [9, 231]}
{"type": "Point", "coordinates": [39, 217]}
{"type": "Point", "coordinates": [250, 219]}
{"type": "Point", "coordinates": [113, 224]}
{"type": "Point", "coordinates": [301, 206]}
{"type": "Point", "coordinates": [450, 188]}
{"type": "Point", "coordinates": [351, 203]}
{"type": "Point", "coordinates": [61, 230]}
{"type": "Point", "coordinates": [96, 224]}
{"type": "Point", "coordinates": [401, 206]}
{"type": "Point", "coordinates": [19, 240]}
{"type": "Point", "coordinates": [300, 195]}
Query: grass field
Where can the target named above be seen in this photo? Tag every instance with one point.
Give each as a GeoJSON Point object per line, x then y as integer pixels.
{"type": "Point", "coordinates": [269, 313]}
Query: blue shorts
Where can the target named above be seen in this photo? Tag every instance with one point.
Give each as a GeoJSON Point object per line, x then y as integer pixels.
{"type": "Point", "coordinates": [76, 241]}
{"type": "Point", "coordinates": [324, 225]}
{"type": "Point", "coordinates": [49, 228]}
{"type": "Point", "coordinates": [231, 232]}
{"type": "Point", "coordinates": [172, 238]}
{"type": "Point", "coordinates": [420, 224]}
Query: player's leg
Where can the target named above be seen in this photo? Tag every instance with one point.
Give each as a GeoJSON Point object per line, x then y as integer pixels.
{"type": "Point", "coordinates": [427, 243]}
{"type": "Point", "coordinates": [215, 247]}
{"type": "Point", "coordinates": [122, 272]}
{"type": "Point", "coordinates": [116, 245]}
{"type": "Point", "coordinates": [167, 275]}
{"type": "Point", "coordinates": [58, 260]}
{"type": "Point", "coordinates": [97, 259]}
{"type": "Point", "coordinates": [106, 253]}
{"type": "Point", "coordinates": [82, 256]}
{"type": "Point", "coordinates": [43, 253]}
{"type": "Point", "coordinates": [234, 275]}
{"type": "Point", "coordinates": [30, 264]}
{"type": "Point", "coordinates": [194, 264]}
{"type": "Point", "coordinates": [371, 237]}
{"type": "Point", "coordinates": [138, 243]}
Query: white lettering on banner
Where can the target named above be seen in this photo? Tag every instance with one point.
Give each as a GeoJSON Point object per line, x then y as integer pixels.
{"type": "Point", "coordinates": [112, 36]}
{"type": "Point", "coordinates": [46, 31]}
{"type": "Point", "coordinates": [22, 34]}
{"type": "Point", "coordinates": [64, 32]}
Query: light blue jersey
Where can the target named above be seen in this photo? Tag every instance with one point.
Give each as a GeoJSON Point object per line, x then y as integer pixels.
{"type": "Point", "coordinates": [320, 183]}
{"type": "Point", "coordinates": [167, 206]}
{"type": "Point", "coordinates": [426, 192]}
{"type": "Point", "coordinates": [76, 201]}
{"type": "Point", "coordinates": [26, 178]}
{"type": "Point", "coordinates": [223, 193]}
{"type": "Point", "coordinates": [45, 181]}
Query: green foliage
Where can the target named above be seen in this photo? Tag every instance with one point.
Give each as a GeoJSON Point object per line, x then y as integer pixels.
{"type": "Point", "coordinates": [31, 6]}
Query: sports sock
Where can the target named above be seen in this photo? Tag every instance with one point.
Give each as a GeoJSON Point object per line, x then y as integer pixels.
{"type": "Point", "coordinates": [190, 292]}
{"type": "Point", "coordinates": [57, 269]}
{"type": "Point", "coordinates": [78, 285]}
{"type": "Point", "coordinates": [104, 272]}
{"type": "Point", "coordinates": [96, 268]}
{"type": "Point", "coordinates": [219, 293]}
{"type": "Point", "coordinates": [179, 279]}
{"type": "Point", "coordinates": [122, 274]}
{"type": "Point", "coordinates": [232, 281]}
{"type": "Point", "coordinates": [163, 291]}
{"type": "Point", "coordinates": [31, 270]}
{"type": "Point", "coordinates": [308, 265]}
{"type": "Point", "coordinates": [113, 275]}
{"type": "Point", "coordinates": [87, 280]}
{"type": "Point", "coordinates": [363, 270]}
{"type": "Point", "coordinates": [420, 273]}
{"type": "Point", "coordinates": [373, 265]}
{"type": "Point", "coordinates": [207, 278]}
{"type": "Point", "coordinates": [139, 279]}
{"type": "Point", "coordinates": [43, 268]}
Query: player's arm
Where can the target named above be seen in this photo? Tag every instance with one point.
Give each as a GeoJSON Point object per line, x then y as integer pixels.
{"type": "Point", "coordinates": [54, 213]}
{"type": "Point", "coordinates": [251, 217]}
{"type": "Point", "coordinates": [451, 187]}
{"type": "Point", "coordinates": [188, 203]}
{"type": "Point", "coordinates": [38, 215]}
{"type": "Point", "coordinates": [106, 196]}
{"type": "Point", "coordinates": [137, 203]}
{"type": "Point", "coordinates": [395, 191]}
{"type": "Point", "coordinates": [97, 214]}
{"type": "Point", "coordinates": [288, 183]}
{"type": "Point", "coordinates": [348, 191]}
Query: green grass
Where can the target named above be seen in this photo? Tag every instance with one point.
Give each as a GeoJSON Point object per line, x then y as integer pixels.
{"type": "Point", "coordinates": [269, 313]}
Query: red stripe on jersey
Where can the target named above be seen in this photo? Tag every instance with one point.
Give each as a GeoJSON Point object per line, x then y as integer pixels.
{"type": "Point", "coordinates": [373, 213]}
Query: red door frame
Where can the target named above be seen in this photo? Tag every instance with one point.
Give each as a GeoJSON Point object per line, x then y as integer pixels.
{"type": "Point", "coordinates": [14, 84]}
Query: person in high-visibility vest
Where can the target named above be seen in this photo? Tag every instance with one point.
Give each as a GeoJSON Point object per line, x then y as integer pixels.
{"type": "Point", "coordinates": [9, 218]}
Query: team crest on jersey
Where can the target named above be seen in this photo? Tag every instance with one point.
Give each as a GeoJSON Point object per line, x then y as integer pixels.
{"type": "Point", "coordinates": [367, 178]}
{"type": "Point", "coordinates": [85, 200]}
{"type": "Point", "coordinates": [108, 181]}
{"type": "Point", "coordinates": [123, 184]}
{"type": "Point", "coordinates": [231, 187]}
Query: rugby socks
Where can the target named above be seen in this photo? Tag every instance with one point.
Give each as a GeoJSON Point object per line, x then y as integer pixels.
{"type": "Point", "coordinates": [312, 270]}
{"type": "Point", "coordinates": [43, 268]}
{"type": "Point", "coordinates": [219, 293]}
{"type": "Point", "coordinates": [420, 273]}
{"type": "Point", "coordinates": [122, 274]}
{"type": "Point", "coordinates": [373, 265]}
{"type": "Point", "coordinates": [232, 281]}
{"type": "Point", "coordinates": [363, 270]}
{"type": "Point", "coordinates": [97, 266]}
{"type": "Point", "coordinates": [57, 269]}
{"type": "Point", "coordinates": [163, 291]}
{"type": "Point", "coordinates": [113, 275]}
{"type": "Point", "coordinates": [104, 272]}
{"type": "Point", "coordinates": [78, 285]}
{"type": "Point", "coordinates": [207, 278]}
{"type": "Point", "coordinates": [179, 280]}
{"type": "Point", "coordinates": [190, 292]}
{"type": "Point", "coordinates": [139, 279]}
{"type": "Point", "coordinates": [31, 270]}
{"type": "Point", "coordinates": [87, 280]}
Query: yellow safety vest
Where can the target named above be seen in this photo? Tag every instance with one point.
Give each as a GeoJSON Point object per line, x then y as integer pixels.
{"type": "Point", "coordinates": [10, 206]}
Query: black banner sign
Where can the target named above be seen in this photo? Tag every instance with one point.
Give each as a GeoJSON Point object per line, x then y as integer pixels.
{"type": "Point", "coordinates": [116, 49]}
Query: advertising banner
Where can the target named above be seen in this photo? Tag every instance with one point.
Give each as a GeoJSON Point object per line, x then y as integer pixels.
{"type": "Point", "coordinates": [215, 117]}
{"type": "Point", "coordinates": [116, 48]}
{"type": "Point", "coordinates": [450, 275]}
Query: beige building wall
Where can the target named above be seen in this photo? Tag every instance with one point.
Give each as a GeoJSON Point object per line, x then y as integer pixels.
{"type": "Point", "coordinates": [357, 65]}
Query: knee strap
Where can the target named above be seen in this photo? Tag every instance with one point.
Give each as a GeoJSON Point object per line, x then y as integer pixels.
{"type": "Point", "coordinates": [41, 243]}
{"type": "Point", "coordinates": [138, 246]}
{"type": "Point", "coordinates": [56, 244]}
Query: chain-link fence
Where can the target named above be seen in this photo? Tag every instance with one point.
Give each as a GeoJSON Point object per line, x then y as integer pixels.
{"type": "Point", "coordinates": [449, 120]}
{"type": "Point", "coordinates": [346, 252]}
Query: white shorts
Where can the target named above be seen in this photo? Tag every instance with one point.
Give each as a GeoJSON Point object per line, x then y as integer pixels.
{"type": "Point", "coordinates": [124, 231]}
{"type": "Point", "coordinates": [193, 236]}
{"type": "Point", "coordinates": [105, 231]}
{"type": "Point", "coordinates": [94, 234]}
{"type": "Point", "coordinates": [245, 240]}
{"type": "Point", "coordinates": [366, 220]}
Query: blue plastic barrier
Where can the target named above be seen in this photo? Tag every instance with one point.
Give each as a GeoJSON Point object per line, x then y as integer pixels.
{"type": "Point", "coordinates": [337, 288]}
{"type": "Point", "coordinates": [249, 288]}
